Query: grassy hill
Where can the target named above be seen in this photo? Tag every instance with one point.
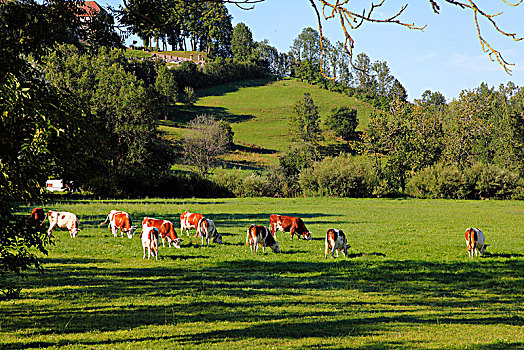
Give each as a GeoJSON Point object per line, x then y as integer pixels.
{"type": "Point", "coordinates": [258, 111]}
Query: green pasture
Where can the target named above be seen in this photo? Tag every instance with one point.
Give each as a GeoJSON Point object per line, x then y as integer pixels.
{"type": "Point", "coordinates": [406, 284]}
{"type": "Point", "coordinates": [258, 111]}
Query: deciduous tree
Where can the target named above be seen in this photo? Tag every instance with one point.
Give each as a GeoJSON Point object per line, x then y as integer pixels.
{"type": "Point", "coordinates": [205, 140]}
{"type": "Point", "coordinates": [242, 43]}
{"type": "Point", "coordinates": [304, 123]}
{"type": "Point", "coordinates": [343, 121]}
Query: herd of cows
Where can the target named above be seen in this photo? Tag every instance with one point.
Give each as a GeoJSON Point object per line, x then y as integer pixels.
{"type": "Point", "coordinates": [154, 230]}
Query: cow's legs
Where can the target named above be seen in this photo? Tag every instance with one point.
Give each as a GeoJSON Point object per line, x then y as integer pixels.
{"type": "Point", "coordinates": [50, 230]}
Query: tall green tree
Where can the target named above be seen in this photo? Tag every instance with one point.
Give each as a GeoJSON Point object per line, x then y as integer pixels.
{"type": "Point", "coordinates": [363, 72]}
{"type": "Point", "coordinates": [411, 138]}
{"type": "Point", "coordinates": [124, 120]}
{"type": "Point", "coordinates": [304, 123]}
{"type": "Point", "coordinates": [242, 44]}
{"type": "Point", "coordinates": [218, 31]}
{"type": "Point", "coordinates": [100, 31]}
{"type": "Point", "coordinates": [482, 126]}
{"type": "Point", "coordinates": [41, 129]}
{"type": "Point", "coordinates": [167, 88]}
{"type": "Point", "coordinates": [306, 46]}
{"type": "Point", "coordinates": [343, 121]}
{"type": "Point", "coordinates": [268, 55]}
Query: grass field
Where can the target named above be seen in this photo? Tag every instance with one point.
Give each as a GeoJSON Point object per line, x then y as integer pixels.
{"type": "Point", "coordinates": [259, 110]}
{"type": "Point", "coordinates": [407, 282]}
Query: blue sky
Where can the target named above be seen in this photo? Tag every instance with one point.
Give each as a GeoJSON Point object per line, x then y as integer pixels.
{"type": "Point", "coordinates": [446, 56]}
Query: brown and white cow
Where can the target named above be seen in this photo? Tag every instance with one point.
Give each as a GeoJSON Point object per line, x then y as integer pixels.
{"type": "Point", "coordinates": [336, 240]}
{"type": "Point", "coordinates": [290, 224]}
{"type": "Point", "coordinates": [63, 219]}
{"type": "Point", "coordinates": [120, 220]}
{"type": "Point", "coordinates": [189, 221]}
{"type": "Point", "coordinates": [165, 228]}
{"type": "Point", "coordinates": [475, 242]}
{"type": "Point", "coordinates": [149, 237]}
{"type": "Point", "coordinates": [206, 229]}
{"type": "Point", "coordinates": [261, 235]}
{"type": "Point", "coordinates": [37, 217]}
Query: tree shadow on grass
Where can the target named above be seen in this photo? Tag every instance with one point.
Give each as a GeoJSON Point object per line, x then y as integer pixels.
{"type": "Point", "coordinates": [221, 90]}
{"type": "Point", "coordinates": [268, 294]}
{"type": "Point", "coordinates": [502, 255]}
{"type": "Point", "coordinates": [185, 257]}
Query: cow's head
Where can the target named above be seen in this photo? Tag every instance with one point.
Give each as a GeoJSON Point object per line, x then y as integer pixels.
{"type": "Point", "coordinates": [483, 249]}
{"type": "Point", "coordinates": [131, 232]}
{"type": "Point", "coordinates": [176, 242]}
{"type": "Point", "coordinates": [217, 238]}
{"type": "Point", "coordinates": [307, 236]}
{"type": "Point", "coordinates": [275, 247]}
{"type": "Point", "coordinates": [74, 232]}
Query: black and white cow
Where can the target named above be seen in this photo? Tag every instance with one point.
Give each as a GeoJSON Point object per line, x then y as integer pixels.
{"type": "Point", "coordinates": [206, 229]}
{"type": "Point", "coordinates": [475, 243]}
{"type": "Point", "coordinates": [336, 240]}
{"type": "Point", "coordinates": [261, 235]}
{"type": "Point", "coordinates": [150, 237]}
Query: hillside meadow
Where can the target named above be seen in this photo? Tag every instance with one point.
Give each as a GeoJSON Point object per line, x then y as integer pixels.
{"type": "Point", "coordinates": [407, 282]}
{"type": "Point", "coordinates": [258, 111]}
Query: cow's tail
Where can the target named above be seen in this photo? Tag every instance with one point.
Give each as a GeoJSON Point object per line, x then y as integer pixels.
{"type": "Point", "coordinates": [154, 241]}
{"type": "Point", "coordinates": [473, 238]}
{"type": "Point", "coordinates": [470, 236]}
{"type": "Point", "coordinates": [248, 233]}
{"type": "Point", "coordinates": [199, 227]}
{"type": "Point", "coordinates": [102, 224]}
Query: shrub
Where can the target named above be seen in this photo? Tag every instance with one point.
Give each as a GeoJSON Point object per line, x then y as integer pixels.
{"type": "Point", "coordinates": [246, 184]}
{"type": "Point", "coordinates": [480, 181]}
{"type": "Point", "coordinates": [188, 97]}
{"type": "Point", "coordinates": [343, 176]}
{"type": "Point", "coordinates": [343, 121]}
{"type": "Point", "coordinates": [256, 185]}
{"type": "Point", "coordinates": [230, 179]}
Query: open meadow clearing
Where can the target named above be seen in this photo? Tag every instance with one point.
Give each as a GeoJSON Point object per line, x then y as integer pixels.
{"type": "Point", "coordinates": [407, 282]}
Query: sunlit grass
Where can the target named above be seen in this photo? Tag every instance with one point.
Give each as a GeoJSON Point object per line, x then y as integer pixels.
{"type": "Point", "coordinates": [259, 110]}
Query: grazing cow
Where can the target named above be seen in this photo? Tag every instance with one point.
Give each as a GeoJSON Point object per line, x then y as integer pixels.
{"type": "Point", "coordinates": [166, 230]}
{"type": "Point", "coordinates": [206, 229]}
{"type": "Point", "coordinates": [289, 224]}
{"type": "Point", "coordinates": [475, 242]}
{"type": "Point", "coordinates": [37, 217]}
{"type": "Point", "coordinates": [120, 220]}
{"type": "Point", "coordinates": [261, 235]}
{"type": "Point", "coordinates": [63, 220]}
{"type": "Point", "coordinates": [189, 221]}
{"type": "Point", "coordinates": [150, 242]}
{"type": "Point", "coordinates": [336, 240]}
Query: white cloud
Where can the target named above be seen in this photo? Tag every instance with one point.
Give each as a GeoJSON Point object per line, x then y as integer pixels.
{"type": "Point", "coordinates": [477, 63]}
{"type": "Point", "coordinates": [427, 57]}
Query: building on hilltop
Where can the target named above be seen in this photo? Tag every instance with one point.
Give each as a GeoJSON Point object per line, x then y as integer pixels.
{"type": "Point", "coordinates": [91, 9]}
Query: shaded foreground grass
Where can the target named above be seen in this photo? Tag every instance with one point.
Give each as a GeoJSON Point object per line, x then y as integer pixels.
{"type": "Point", "coordinates": [407, 282]}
